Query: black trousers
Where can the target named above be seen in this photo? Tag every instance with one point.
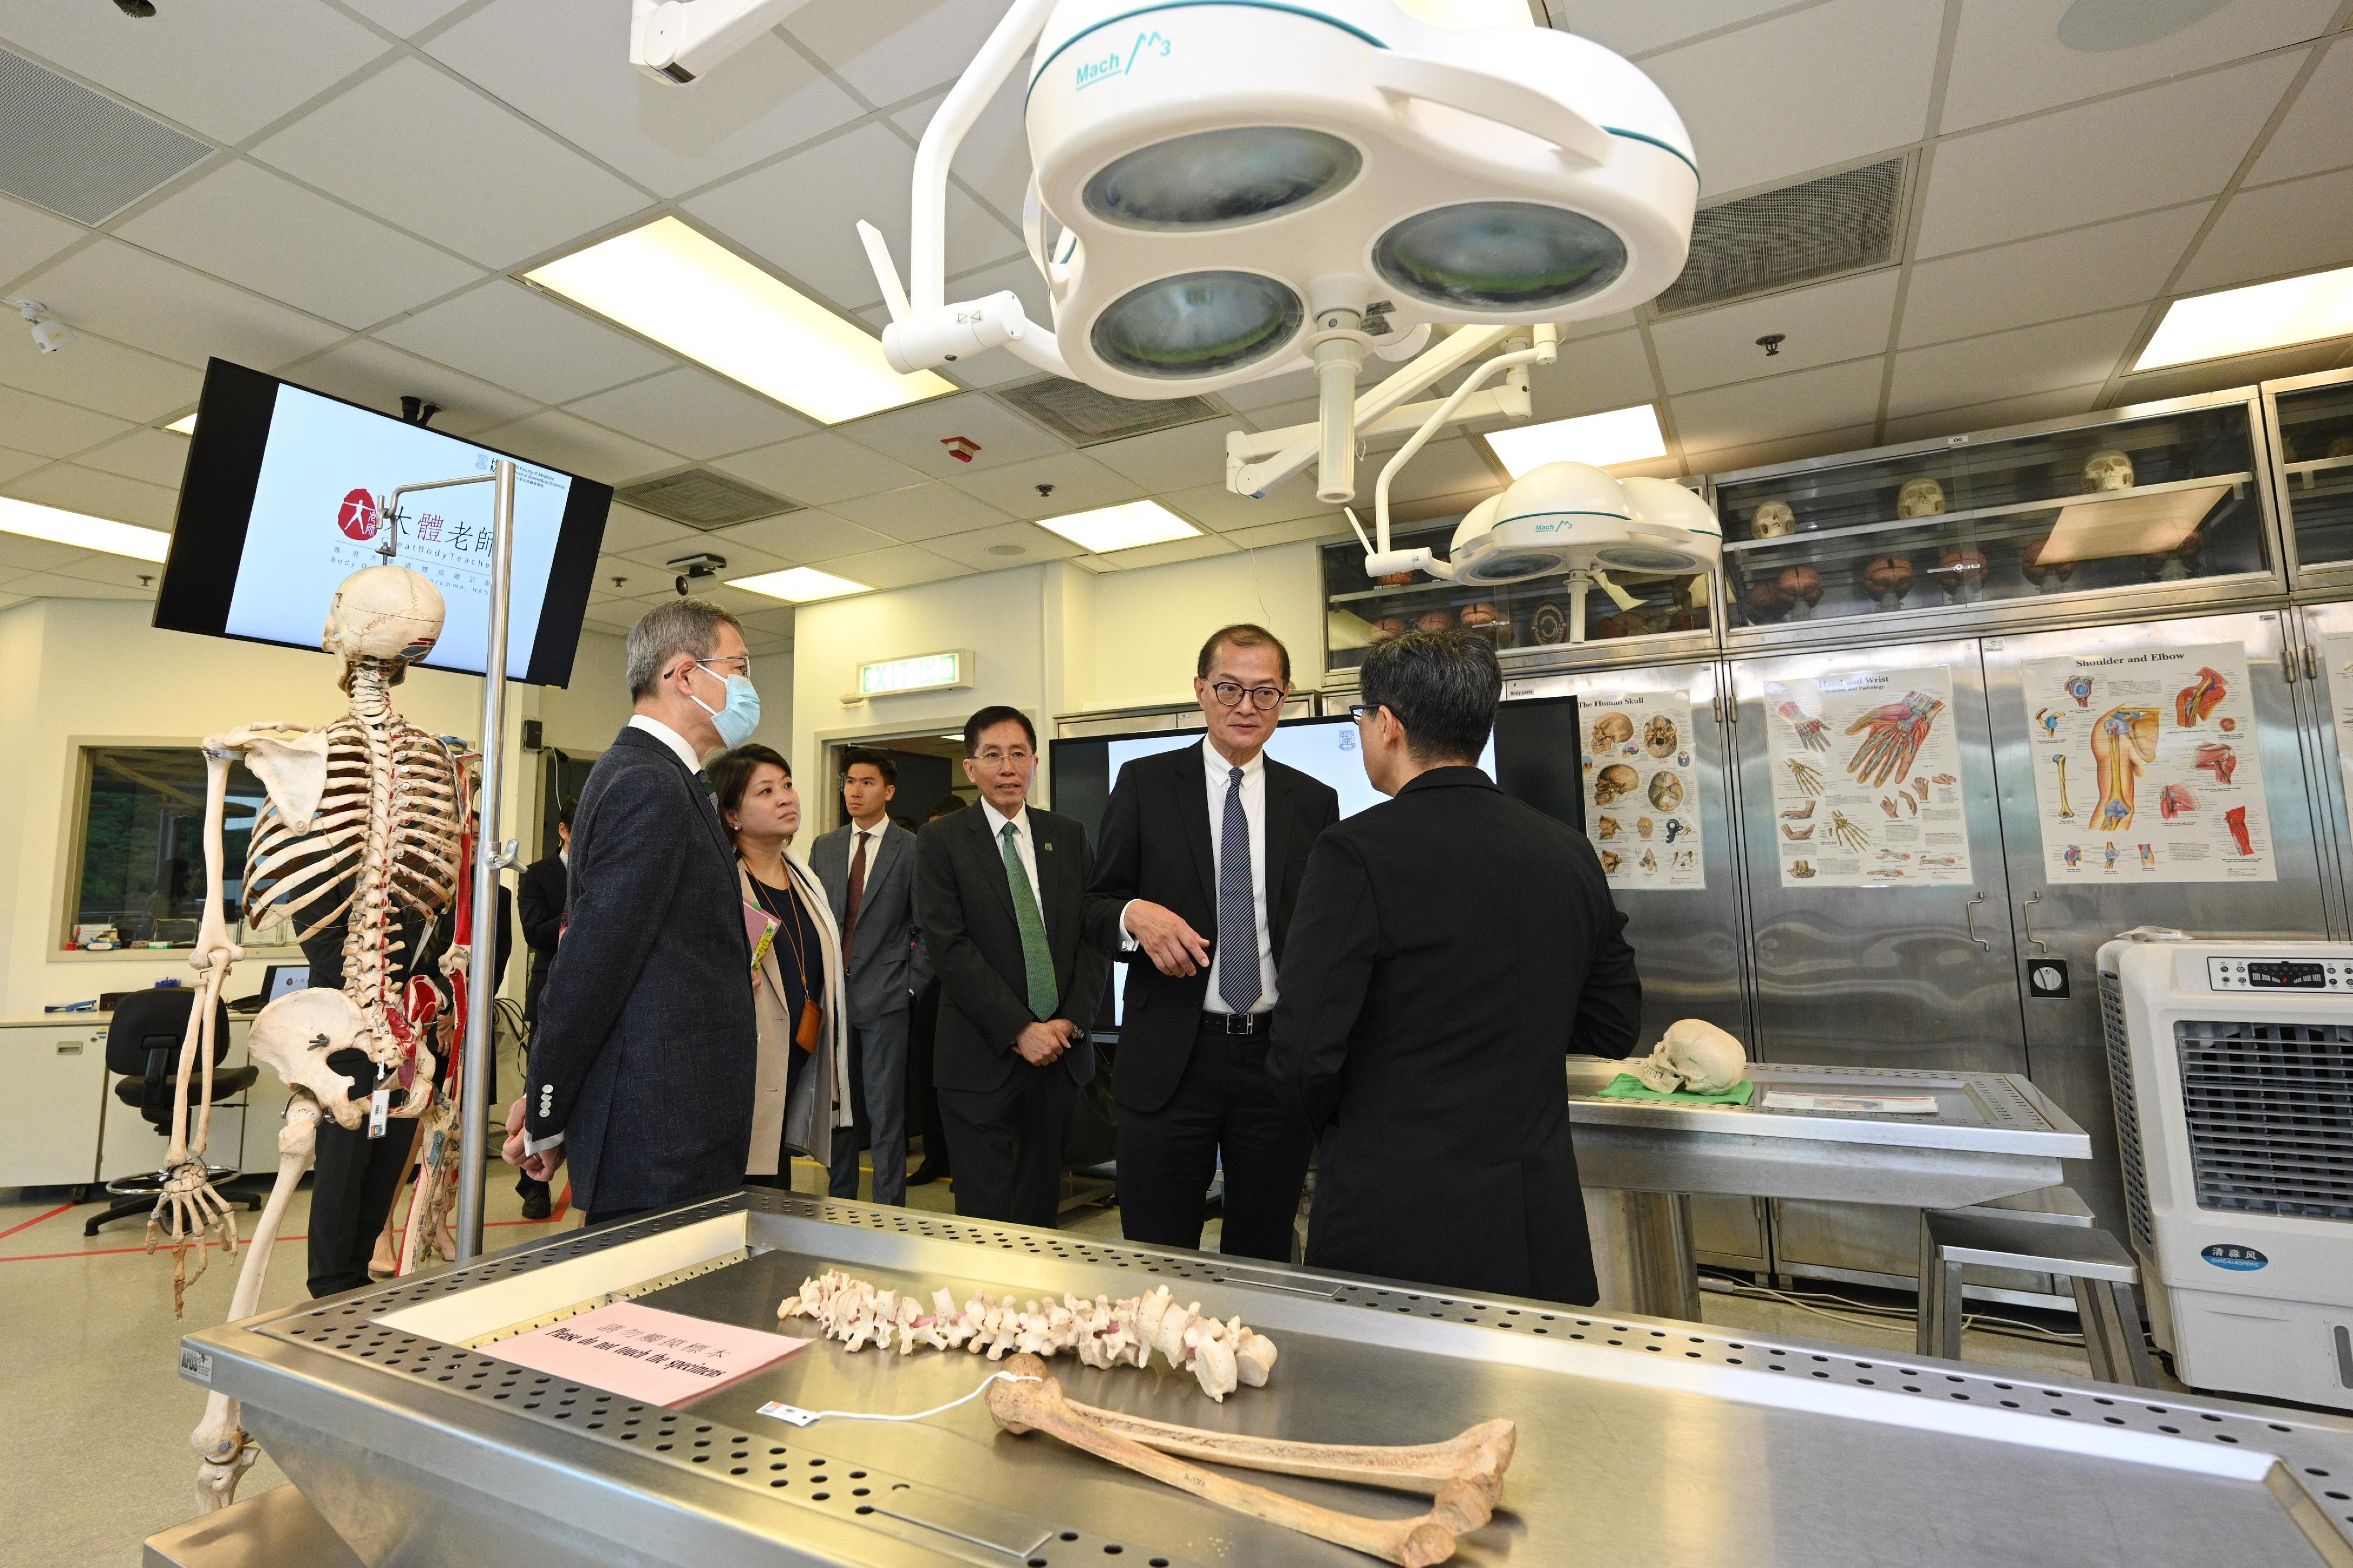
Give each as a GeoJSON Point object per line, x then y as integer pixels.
{"type": "Point", "coordinates": [1224, 1105]}
{"type": "Point", "coordinates": [923, 1097]}
{"type": "Point", "coordinates": [1007, 1144]}
{"type": "Point", "coordinates": [350, 1195]}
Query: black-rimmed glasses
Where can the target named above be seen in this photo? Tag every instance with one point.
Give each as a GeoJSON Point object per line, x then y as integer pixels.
{"type": "Point", "coordinates": [1230, 694]}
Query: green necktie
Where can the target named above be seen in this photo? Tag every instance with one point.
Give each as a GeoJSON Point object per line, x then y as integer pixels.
{"type": "Point", "coordinates": [1035, 957]}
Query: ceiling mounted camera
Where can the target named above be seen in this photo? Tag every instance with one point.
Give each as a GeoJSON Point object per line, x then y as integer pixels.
{"type": "Point", "coordinates": [47, 336]}
{"type": "Point", "coordinates": [135, 8]}
{"type": "Point", "coordinates": [696, 568]}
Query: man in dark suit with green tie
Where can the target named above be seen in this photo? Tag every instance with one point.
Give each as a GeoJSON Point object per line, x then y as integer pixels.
{"type": "Point", "coordinates": [1000, 893]}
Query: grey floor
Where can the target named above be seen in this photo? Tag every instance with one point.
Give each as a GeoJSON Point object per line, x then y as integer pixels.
{"type": "Point", "coordinates": [95, 1443]}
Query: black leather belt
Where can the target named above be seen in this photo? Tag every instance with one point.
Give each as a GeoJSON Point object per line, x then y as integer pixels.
{"type": "Point", "coordinates": [1236, 1023]}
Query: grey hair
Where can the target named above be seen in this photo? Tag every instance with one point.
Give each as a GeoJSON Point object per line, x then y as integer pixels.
{"type": "Point", "coordinates": [1442, 686]}
{"type": "Point", "coordinates": [681, 626]}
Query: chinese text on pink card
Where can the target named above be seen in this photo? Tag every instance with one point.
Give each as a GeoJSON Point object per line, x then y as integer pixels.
{"type": "Point", "coordinates": [644, 1353]}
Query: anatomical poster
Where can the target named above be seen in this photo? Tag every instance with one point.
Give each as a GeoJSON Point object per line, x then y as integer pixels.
{"type": "Point", "coordinates": [2146, 766]}
{"type": "Point", "coordinates": [1867, 786]}
{"type": "Point", "coordinates": [1641, 794]}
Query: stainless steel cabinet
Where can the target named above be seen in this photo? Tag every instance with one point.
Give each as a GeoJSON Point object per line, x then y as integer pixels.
{"type": "Point", "coordinates": [2068, 918]}
{"type": "Point", "coordinates": [2310, 421]}
{"type": "Point", "coordinates": [2323, 694]}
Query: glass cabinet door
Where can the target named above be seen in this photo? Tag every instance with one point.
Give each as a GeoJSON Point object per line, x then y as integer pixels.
{"type": "Point", "coordinates": [2126, 504]}
{"type": "Point", "coordinates": [2314, 418]}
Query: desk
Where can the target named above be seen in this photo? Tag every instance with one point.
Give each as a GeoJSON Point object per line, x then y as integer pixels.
{"type": "Point", "coordinates": [60, 1125]}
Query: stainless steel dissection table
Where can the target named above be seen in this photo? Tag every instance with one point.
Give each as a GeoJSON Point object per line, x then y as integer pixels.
{"type": "Point", "coordinates": [1992, 1135]}
{"type": "Point", "coordinates": [1642, 1443]}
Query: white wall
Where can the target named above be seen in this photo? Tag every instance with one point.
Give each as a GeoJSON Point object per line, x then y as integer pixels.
{"type": "Point", "coordinates": [1149, 625]}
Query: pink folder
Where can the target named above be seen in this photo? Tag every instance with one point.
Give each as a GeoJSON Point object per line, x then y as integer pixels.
{"type": "Point", "coordinates": [645, 1353]}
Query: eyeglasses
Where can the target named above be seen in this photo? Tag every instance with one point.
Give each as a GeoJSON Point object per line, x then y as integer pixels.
{"type": "Point", "coordinates": [1360, 712]}
{"type": "Point", "coordinates": [1230, 694]}
{"type": "Point", "coordinates": [742, 661]}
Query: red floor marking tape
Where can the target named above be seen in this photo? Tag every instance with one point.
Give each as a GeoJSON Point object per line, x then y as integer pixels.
{"type": "Point", "coordinates": [36, 1220]}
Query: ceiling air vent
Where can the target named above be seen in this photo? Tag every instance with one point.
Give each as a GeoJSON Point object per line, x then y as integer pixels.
{"type": "Point", "coordinates": [1843, 223]}
{"type": "Point", "coordinates": [1086, 417]}
{"type": "Point", "coordinates": [698, 498]}
{"type": "Point", "coordinates": [78, 152]}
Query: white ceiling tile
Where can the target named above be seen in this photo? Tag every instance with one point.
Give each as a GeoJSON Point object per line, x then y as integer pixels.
{"type": "Point", "coordinates": [1079, 484]}
{"type": "Point", "coordinates": [247, 224]}
{"type": "Point", "coordinates": [602, 621]}
{"type": "Point", "coordinates": [1268, 535]}
{"type": "Point", "coordinates": [913, 436]}
{"type": "Point", "coordinates": [1214, 506]}
{"type": "Point", "coordinates": [821, 470]}
{"type": "Point", "coordinates": [53, 429]}
{"type": "Point", "coordinates": [743, 560]}
{"type": "Point", "coordinates": [378, 377]}
{"type": "Point", "coordinates": [2158, 147]}
{"type": "Point", "coordinates": [736, 600]}
{"type": "Point", "coordinates": [801, 213]}
{"type": "Point", "coordinates": [800, 537]}
{"type": "Point", "coordinates": [1593, 374]}
{"type": "Point", "coordinates": [2007, 365]}
{"type": "Point", "coordinates": [2300, 225]}
{"type": "Point", "coordinates": [459, 169]}
{"type": "Point", "coordinates": [2058, 404]}
{"type": "Point", "coordinates": [995, 549]}
{"type": "Point", "coordinates": [404, 17]}
{"type": "Point", "coordinates": [97, 374]}
{"type": "Point", "coordinates": [566, 441]}
{"type": "Point", "coordinates": [626, 528]}
{"type": "Point", "coordinates": [889, 49]}
{"type": "Point", "coordinates": [116, 571]}
{"type": "Point", "coordinates": [994, 157]}
{"type": "Point", "coordinates": [10, 601]}
{"type": "Point", "coordinates": [156, 456]}
{"type": "Point", "coordinates": [1821, 325]}
{"type": "Point", "coordinates": [1167, 460]}
{"type": "Point", "coordinates": [138, 297]}
{"type": "Point", "coordinates": [15, 464]}
{"type": "Point", "coordinates": [227, 70]}
{"type": "Point", "coordinates": [19, 555]}
{"type": "Point", "coordinates": [1440, 468]}
{"type": "Point", "coordinates": [101, 495]}
{"type": "Point", "coordinates": [1167, 553]}
{"type": "Point", "coordinates": [518, 337]}
{"type": "Point", "coordinates": [1285, 415]}
{"type": "Point", "coordinates": [566, 64]}
{"type": "Point", "coordinates": [1750, 412]}
{"type": "Point", "coordinates": [920, 512]}
{"type": "Point", "coordinates": [1787, 449]}
{"type": "Point", "coordinates": [690, 412]}
{"type": "Point", "coordinates": [775, 623]}
{"type": "Point", "coordinates": [2065, 274]}
{"type": "Point", "coordinates": [2012, 57]}
{"type": "Point", "coordinates": [1752, 116]}
{"type": "Point", "coordinates": [2317, 133]}
{"type": "Point", "coordinates": [899, 566]}
{"type": "Point", "coordinates": [2214, 376]}
{"type": "Point", "coordinates": [1288, 387]}
{"type": "Point", "coordinates": [1630, 29]}
{"type": "Point", "coordinates": [58, 585]}
{"type": "Point", "coordinates": [28, 236]}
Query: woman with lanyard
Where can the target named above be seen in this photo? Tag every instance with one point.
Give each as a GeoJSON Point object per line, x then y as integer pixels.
{"type": "Point", "coordinates": [799, 1097]}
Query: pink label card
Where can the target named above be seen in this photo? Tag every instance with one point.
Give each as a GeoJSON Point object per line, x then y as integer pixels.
{"type": "Point", "coordinates": [645, 1353]}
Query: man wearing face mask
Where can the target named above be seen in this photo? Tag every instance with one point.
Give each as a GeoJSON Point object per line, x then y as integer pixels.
{"type": "Point", "coordinates": [642, 1065]}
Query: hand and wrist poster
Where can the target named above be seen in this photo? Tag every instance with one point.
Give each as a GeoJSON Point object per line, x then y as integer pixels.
{"type": "Point", "coordinates": [1867, 787]}
{"type": "Point", "coordinates": [1641, 793]}
{"type": "Point", "coordinates": [2146, 766]}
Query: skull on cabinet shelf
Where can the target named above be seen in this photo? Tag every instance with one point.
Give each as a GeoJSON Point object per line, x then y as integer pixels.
{"type": "Point", "coordinates": [1692, 1055]}
{"type": "Point", "coordinates": [1774, 520]}
{"type": "Point", "coordinates": [1921, 496]}
{"type": "Point", "coordinates": [2108, 469]}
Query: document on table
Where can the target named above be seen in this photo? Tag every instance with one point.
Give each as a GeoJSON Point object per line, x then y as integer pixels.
{"type": "Point", "coordinates": [1853, 1104]}
{"type": "Point", "coordinates": [645, 1353]}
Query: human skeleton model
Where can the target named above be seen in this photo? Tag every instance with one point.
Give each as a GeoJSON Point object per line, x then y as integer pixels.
{"type": "Point", "coordinates": [1100, 1332]}
{"type": "Point", "coordinates": [362, 825]}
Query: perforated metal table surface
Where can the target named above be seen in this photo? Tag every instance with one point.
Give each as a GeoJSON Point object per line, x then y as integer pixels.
{"type": "Point", "coordinates": [1642, 1442]}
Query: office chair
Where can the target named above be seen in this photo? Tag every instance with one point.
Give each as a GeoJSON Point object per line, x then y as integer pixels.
{"type": "Point", "coordinates": [142, 1045]}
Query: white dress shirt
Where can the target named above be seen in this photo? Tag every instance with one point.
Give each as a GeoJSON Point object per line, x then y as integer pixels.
{"type": "Point", "coordinates": [667, 737]}
{"type": "Point", "coordinates": [1022, 844]}
{"type": "Point", "coordinates": [1254, 814]}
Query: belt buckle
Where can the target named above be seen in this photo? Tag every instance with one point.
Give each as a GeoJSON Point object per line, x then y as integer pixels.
{"type": "Point", "coordinates": [1241, 1023]}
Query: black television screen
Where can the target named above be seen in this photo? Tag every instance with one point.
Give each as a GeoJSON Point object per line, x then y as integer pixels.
{"type": "Point", "coordinates": [279, 504]}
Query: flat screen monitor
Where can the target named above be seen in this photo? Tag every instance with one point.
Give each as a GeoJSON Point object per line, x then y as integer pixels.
{"type": "Point", "coordinates": [284, 980]}
{"type": "Point", "coordinates": [278, 505]}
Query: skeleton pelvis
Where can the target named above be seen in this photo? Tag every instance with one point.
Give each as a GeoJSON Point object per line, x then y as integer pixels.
{"type": "Point", "coordinates": [295, 1035]}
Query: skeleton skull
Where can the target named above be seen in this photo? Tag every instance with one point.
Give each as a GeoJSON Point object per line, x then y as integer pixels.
{"type": "Point", "coordinates": [1772, 520]}
{"type": "Point", "coordinates": [1692, 1055]}
{"type": "Point", "coordinates": [1922, 496]}
{"type": "Point", "coordinates": [2108, 471]}
{"type": "Point", "coordinates": [386, 613]}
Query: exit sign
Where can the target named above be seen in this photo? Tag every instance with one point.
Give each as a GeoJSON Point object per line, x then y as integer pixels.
{"type": "Point", "coordinates": [923, 672]}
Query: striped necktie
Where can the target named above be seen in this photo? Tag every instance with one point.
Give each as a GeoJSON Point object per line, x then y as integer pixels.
{"type": "Point", "coordinates": [1238, 977]}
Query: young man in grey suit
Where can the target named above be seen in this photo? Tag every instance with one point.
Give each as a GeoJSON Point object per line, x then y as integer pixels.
{"type": "Point", "coordinates": [868, 868]}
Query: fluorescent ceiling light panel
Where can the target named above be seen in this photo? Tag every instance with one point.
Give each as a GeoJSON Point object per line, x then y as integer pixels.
{"type": "Point", "coordinates": [2247, 320]}
{"type": "Point", "coordinates": [82, 533]}
{"type": "Point", "coordinates": [799, 585]}
{"type": "Point", "coordinates": [186, 425]}
{"type": "Point", "coordinates": [697, 297]}
{"type": "Point", "coordinates": [1620, 436]}
{"type": "Point", "coordinates": [1122, 527]}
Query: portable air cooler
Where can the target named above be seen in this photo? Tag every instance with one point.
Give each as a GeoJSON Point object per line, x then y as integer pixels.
{"type": "Point", "coordinates": [2232, 1067]}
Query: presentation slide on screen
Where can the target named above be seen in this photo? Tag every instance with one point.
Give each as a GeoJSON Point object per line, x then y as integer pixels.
{"type": "Point", "coordinates": [314, 523]}
{"type": "Point", "coordinates": [1325, 749]}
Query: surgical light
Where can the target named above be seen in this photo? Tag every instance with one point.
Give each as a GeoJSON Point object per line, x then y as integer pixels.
{"type": "Point", "coordinates": [72, 528]}
{"type": "Point", "coordinates": [1214, 178]}
{"type": "Point", "coordinates": [1197, 325]}
{"type": "Point", "coordinates": [1500, 256]}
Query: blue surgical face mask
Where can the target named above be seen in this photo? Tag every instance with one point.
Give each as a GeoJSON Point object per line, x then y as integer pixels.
{"type": "Point", "coordinates": [740, 717]}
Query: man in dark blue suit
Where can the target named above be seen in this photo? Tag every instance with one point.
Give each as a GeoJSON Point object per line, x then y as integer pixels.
{"type": "Point", "coordinates": [641, 1067]}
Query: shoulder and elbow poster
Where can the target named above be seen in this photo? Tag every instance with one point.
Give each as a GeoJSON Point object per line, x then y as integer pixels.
{"type": "Point", "coordinates": [1641, 793]}
{"type": "Point", "coordinates": [1867, 783]}
{"type": "Point", "coordinates": [2146, 766]}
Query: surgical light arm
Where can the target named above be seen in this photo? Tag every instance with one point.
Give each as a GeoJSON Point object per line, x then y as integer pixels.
{"type": "Point", "coordinates": [679, 41]}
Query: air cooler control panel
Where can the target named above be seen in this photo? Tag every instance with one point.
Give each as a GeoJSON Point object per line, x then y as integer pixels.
{"type": "Point", "coordinates": [2280, 974]}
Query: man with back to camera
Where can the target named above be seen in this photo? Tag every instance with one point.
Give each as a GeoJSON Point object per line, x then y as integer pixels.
{"type": "Point", "coordinates": [641, 1067]}
{"type": "Point", "coordinates": [1000, 894]}
{"type": "Point", "coordinates": [540, 892]}
{"type": "Point", "coordinates": [1451, 947]}
{"type": "Point", "coordinates": [868, 869]}
{"type": "Point", "coordinates": [1203, 851]}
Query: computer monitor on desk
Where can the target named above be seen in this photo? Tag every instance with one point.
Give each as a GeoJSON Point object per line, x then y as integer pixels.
{"type": "Point", "coordinates": [280, 979]}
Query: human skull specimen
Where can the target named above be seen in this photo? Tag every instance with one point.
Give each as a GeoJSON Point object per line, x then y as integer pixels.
{"type": "Point", "coordinates": [1612, 731]}
{"type": "Point", "coordinates": [1692, 1055]}
{"type": "Point", "coordinates": [384, 612]}
{"type": "Point", "coordinates": [1922, 496]}
{"type": "Point", "coordinates": [2108, 469]}
{"type": "Point", "coordinates": [1666, 791]}
{"type": "Point", "coordinates": [1613, 780]}
{"type": "Point", "coordinates": [1772, 520]}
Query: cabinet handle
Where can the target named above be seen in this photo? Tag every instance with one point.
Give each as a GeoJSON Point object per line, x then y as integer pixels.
{"type": "Point", "coordinates": [2311, 662]}
{"type": "Point", "coordinates": [70, 1047]}
{"type": "Point", "coordinates": [2287, 664]}
{"type": "Point", "coordinates": [1969, 912]}
{"type": "Point", "coordinates": [2027, 910]}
